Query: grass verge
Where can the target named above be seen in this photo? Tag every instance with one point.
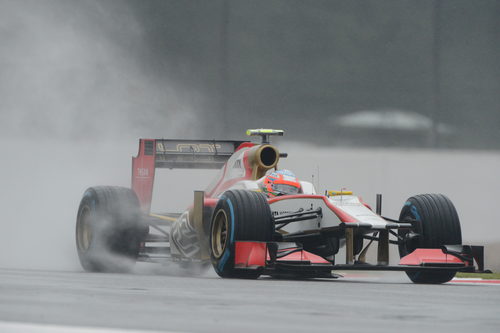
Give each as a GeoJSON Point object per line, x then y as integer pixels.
{"type": "Point", "coordinates": [486, 276]}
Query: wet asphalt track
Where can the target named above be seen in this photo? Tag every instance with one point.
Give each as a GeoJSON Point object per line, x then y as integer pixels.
{"type": "Point", "coordinates": [372, 302]}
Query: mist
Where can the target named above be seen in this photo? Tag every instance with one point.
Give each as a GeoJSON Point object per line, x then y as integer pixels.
{"type": "Point", "coordinates": [74, 101]}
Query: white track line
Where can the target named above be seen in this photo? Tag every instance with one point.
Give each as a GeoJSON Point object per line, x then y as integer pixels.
{"type": "Point", "coordinates": [476, 281]}
{"type": "Point", "coordinates": [14, 327]}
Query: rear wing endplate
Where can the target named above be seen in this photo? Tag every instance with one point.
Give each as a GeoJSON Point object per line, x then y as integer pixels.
{"type": "Point", "coordinates": [175, 154]}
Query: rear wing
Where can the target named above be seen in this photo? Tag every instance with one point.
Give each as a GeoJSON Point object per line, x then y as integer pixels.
{"type": "Point", "coordinates": [194, 154]}
{"type": "Point", "coordinates": [175, 154]}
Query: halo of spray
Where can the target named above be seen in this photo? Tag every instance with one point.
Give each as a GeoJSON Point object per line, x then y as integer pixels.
{"type": "Point", "coordinates": [75, 97]}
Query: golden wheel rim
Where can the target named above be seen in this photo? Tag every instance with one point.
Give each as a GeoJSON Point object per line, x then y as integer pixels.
{"type": "Point", "coordinates": [84, 229]}
{"type": "Point", "coordinates": [219, 234]}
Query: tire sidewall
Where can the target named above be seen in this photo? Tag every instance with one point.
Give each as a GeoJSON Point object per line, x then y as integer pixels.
{"type": "Point", "coordinates": [225, 263]}
{"type": "Point", "coordinates": [89, 257]}
{"type": "Point", "coordinates": [408, 213]}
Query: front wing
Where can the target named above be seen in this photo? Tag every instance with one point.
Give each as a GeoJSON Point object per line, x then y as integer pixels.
{"type": "Point", "coordinates": [266, 257]}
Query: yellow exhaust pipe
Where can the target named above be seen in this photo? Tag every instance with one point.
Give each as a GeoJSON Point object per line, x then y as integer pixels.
{"type": "Point", "coordinates": [263, 158]}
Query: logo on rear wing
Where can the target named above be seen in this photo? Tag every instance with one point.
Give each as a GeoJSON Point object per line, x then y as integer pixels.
{"type": "Point", "coordinates": [173, 147]}
{"type": "Point", "coordinates": [186, 147]}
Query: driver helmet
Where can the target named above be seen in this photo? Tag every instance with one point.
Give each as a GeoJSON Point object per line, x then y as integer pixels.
{"type": "Point", "coordinates": [281, 182]}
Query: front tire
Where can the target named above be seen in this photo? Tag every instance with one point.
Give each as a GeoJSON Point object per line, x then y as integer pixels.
{"type": "Point", "coordinates": [438, 225]}
{"type": "Point", "coordinates": [240, 215]}
{"type": "Point", "coordinates": [108, 230]}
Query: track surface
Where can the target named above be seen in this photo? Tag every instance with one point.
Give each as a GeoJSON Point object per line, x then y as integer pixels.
{"type": "Point", "coordinates": [364, 302]}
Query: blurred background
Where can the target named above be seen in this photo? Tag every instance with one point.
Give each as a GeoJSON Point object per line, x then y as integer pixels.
{"type": "Point", "coordinates": [389, 96]}
{"type": "Point", "coordinates": [417, 73]}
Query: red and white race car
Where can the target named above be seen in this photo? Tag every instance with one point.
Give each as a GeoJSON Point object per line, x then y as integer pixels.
{"type": "Point", "coordinates": [245, 232]}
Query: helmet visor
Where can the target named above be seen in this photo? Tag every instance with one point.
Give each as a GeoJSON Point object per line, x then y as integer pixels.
{"type": "Point", "coordinates": [285, 189]}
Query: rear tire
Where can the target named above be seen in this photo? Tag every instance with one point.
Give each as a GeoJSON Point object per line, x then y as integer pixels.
{"type": "Point", "coordinates": [108, 230]}
{"type": "Point", "coordinates": [240, 215]}
{"type": "Point", "coordinates": [439, 225]}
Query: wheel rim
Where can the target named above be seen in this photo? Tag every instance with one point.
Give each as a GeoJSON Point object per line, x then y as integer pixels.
{"type": "Point", "coordinates": [84, 230]}
{"type": "Point", "coordinates": [408, 245]}
{"type": "Point", "coordinates": [219, 233]}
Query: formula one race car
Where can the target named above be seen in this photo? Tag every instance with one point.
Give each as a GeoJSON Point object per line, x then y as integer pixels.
{"type": "Point", "coordinates": [245, 231]}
